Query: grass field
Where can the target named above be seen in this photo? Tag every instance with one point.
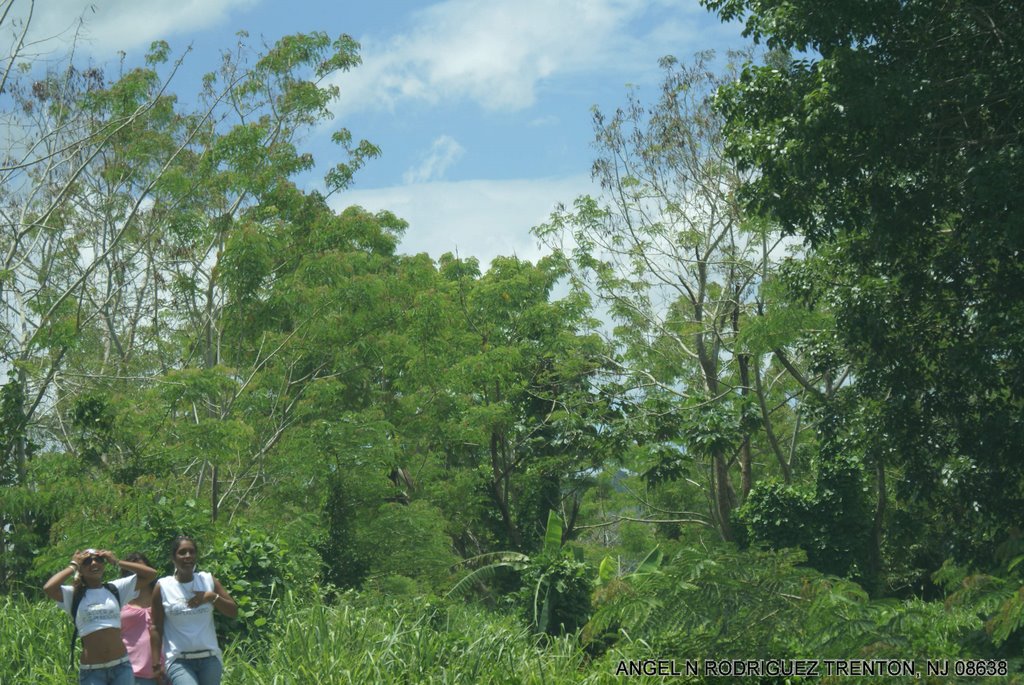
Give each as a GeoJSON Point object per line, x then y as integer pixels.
{"type": "Point", "coordinates": [382, 642]}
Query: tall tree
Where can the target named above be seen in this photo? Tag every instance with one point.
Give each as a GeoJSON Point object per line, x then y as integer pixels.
{"type": "Point", "coordinates": [120, 205]}
{"type": "Point", "coordinates": [897, 138]}
{"type": "Point", "coordinates": [670, 253]}
{"type": "Point", "coordinates": [120, 251]}
{"type": "Point", "coordinates": [523, 418]}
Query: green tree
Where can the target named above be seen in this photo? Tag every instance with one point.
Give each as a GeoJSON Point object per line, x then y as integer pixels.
{"type": "Point", "coordinates": [526, 416]}
{"type": "Point", "coordinates": [136, 228]}
{"type": "Point", "coordinates": [680, 268]}
{"type": "Point", "coordinates": [122, 204]}
{"type": "Point", "coordinates": [894, 141]}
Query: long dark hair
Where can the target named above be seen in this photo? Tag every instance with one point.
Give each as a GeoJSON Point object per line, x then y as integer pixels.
{"type": "Point", "coordinates": [138, 557]}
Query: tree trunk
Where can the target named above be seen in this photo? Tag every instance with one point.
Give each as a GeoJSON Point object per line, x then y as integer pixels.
{"type": "Point", "coordinates": [499, 482]}
{"type": "Point", "coordinates": [746, 459]}
{"type": "Point", "coordinates": [725, 498]}
{"type": "Point", "coordinates": [20, 446]}
{"type": "Point", "coordinates": [214, 492]}
{"type": "Point", "coordinates": [875, 562]}
{"type": "Point", "coordinates": [766, 421]}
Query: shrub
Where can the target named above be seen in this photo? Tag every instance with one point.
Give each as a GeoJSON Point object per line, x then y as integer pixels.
{"type": "Point", "coordinates": [257, 570]}
{"type": "Point", "coordinates": [832, 525]}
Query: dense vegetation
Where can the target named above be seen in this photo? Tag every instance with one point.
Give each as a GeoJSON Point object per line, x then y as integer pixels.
{"type": "Point", "coordinates": [776, 413]}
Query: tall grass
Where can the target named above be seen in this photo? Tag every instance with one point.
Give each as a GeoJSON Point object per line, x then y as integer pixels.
{"type": "Point", "coordinates": [33, 642]}
{"type": "Point", "coordinates": [391, 643]}
{"type": "Point", "coordinates": [365, 641]}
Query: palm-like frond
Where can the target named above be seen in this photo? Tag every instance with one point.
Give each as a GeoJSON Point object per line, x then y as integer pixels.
{"type": "Point", "coordinates": [487, 567]}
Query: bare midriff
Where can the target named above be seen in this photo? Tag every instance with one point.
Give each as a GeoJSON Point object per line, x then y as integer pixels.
{"type": "Point", "coordinates": [102, 646]}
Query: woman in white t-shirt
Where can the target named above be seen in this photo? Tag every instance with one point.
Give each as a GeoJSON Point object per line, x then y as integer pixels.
{"type": "Point", "coordinates": [97, 617]}
{"type": "Point", "coordinates": [183, 630]}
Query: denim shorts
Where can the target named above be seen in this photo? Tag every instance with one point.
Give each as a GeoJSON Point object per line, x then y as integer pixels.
{"type": "Point", "coordinates": [114, 675]}
{"type": "Point", "coordinates": [204, 671]}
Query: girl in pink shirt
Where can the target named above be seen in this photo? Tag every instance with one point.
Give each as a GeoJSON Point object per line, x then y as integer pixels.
{"type": "Point", "coordinates": [136, 621]}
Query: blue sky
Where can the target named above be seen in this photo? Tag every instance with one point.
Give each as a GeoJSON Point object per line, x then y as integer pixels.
{"type": "Point", "coordinates": [482, 107]}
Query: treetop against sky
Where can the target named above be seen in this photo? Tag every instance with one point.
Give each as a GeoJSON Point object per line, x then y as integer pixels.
{"type": "Point", "coordinates": [481, 109]}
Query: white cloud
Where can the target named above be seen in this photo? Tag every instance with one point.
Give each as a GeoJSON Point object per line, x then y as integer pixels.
{"type": "Point", "coordinates": [112, 25]}
{"type": "Point", "coordinates": [480, 218]}
{"type": "Point", "coordinates": [496, 52]}
{"type": "Point", "coordinates": [444, 152]}
{"type": "Point", "coordinates": [546, 120]}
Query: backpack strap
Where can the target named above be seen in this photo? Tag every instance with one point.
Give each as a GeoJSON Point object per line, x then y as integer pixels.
{"type": "Point", "coordinates": [76, 601]}
{"type": "Point", "coordinates": [112, 589]}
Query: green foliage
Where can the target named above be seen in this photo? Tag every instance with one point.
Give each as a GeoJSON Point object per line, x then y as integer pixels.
{"type": "Point", "coordinates": [560, 585]}
{"type": "Point", "coordinates": [346, 562]}
{"type": "Point", "coordinates": [258, 571]}
{"type": "Point", "coordinates": [716, 601]}
{"type": "Point", "coordinates": [247, 262]}
{"type": "Point", "coordinates": [916, 221]}
{"type": "Point", "coordinates": [828, 524]}
{"type": "Point", "coordinates": [249, 357]}
{"type": "Point", "coordinates": [242, 358]}
{"type": "Point", "coordinates": [558, 590]}
{"type": "Point", "coordinates": [505, 396]}
{"type": "Point", "coordinates": [367, 638]}
{"type": "Point", "coordinates": [411, 641]}
{"type": "Point", "coordinates": [33, 642]}
{"type": "Point", "coordinates": [15, 445]}
{"type": "Point", "coordinates": [555, 585]}
{"type": "Point", "coordinates": [26, 517]}
{"type": "Point", "coordinates": [680, 268]}
{"type": "Point", "coordinates": [486, 567]}
{"type": "Point", "coordinates": [103, 515]}
{"type": "Point", "coordinates": [709, 427]}
{"type": "Point", "coordinates": [635, 538]}
{"type": "Point", "coordinates": [409, 541]}
{"type": "Point", "coordinates": [94, 421]}
{"type": "Point", "coordinates": [362, 640]}
{"type": "Point", "coordinates": [780, 515]}
{"type": "Point", "coordinates": [995, 598]}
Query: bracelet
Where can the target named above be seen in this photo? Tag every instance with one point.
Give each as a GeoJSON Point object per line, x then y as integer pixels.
{"type": "Point", "coordinates": [216, 597]}
{"type": "Point", "coordinates": [73, 564]}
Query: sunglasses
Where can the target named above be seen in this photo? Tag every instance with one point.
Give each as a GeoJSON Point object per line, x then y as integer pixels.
{"type": "Point", "coordinates": [89, 560]}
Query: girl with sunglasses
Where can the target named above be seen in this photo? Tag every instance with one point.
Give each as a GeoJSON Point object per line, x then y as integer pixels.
{"type": "Point", "coordinates": [97, 612]}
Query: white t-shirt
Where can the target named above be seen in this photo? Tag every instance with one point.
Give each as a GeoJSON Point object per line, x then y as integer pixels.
{"type": "Point", "coordinates": [99, 608]}
{"type": "Point", "coordinates": [187, 629]}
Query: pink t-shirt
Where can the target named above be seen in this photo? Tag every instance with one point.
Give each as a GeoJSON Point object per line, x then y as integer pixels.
{"type": "Point", "coordinates": [135, 624]}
